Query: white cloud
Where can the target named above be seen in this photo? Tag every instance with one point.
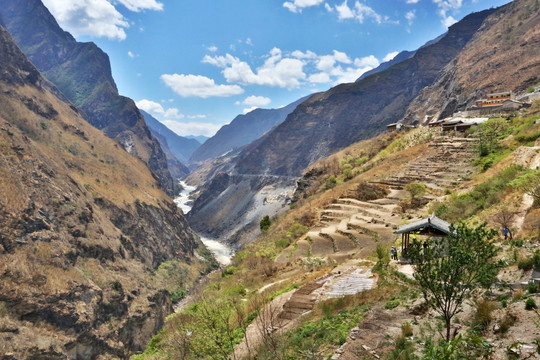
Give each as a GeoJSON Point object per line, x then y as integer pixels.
{"type": "Point", "coordinates": [390, 56]}
{"type": "Point", "coordinates": [250, 109]}
{"type": "Point", "coordinates": [444, 7]}
{"type": "Point", "coordinates": [150, 106]}
{"type": "Point", "coordinates": [359, 12]}
{"type": "Point", "coordinates": [295, 69]}
{"type": "Point", "coordinates": [131, 55]}
{"type": "Point", "coordinates": [156, 109]}
{"type": "Point", "coordinates": [448, 21]}
{"type": "Point", "coordinates": [192, 128]}
{"type": "Point", "coordinates": [297, 5]}
{"type": "Point", "coordinates": [276, 70]}
{"type": "Point", "coordinates": [410, 15]}
{"type": "Point", "coordinates": [412, 1]}
{"type": "Point", "coordinates": [212, 48]}
{"type": "Point", "coordinates": [328, 7]}
{"type": "Point", "coordinates": [199, 86]}
{"type": "Point", "coordinates": [256, 101]}
{"type": "Point", "coordinates": [138, 5]}
{"type": "Point", "coordinates": [96, 18]}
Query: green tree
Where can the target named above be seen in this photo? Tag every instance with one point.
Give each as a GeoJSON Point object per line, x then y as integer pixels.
{"type": "Point", "coordinates": [265, 223]}
{"type": "Point", "coordinates": [416, 190]}
{"type": "Point", "coordinates": [450, 269]}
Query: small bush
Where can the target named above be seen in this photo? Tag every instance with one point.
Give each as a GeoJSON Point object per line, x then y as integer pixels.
{"type": "Point", "coordinates": [482, 316]}
{"type": "Point", "coordinates": [282, 243]}
{"type": "Point", "coordinates": [506, 322]}
{"type": "Point", "coordinates": [406, 329]}
{"type": "Point", "coordinates": [265, 223]}
{"type": "Point", "coordinates": [366, 191]}
{"type": "Point", "coordinates": [533, 288]}
{"type": "Point", "coordinates": [178, 295]}
{"type": "Point", "coordinates": [392, 304]}
{"type": "Point", "coordinates": [330, 182]}
{"type": "Point", "coordinates": [530, 304]}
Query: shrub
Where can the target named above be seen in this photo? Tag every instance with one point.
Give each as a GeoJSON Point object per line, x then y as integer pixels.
{"type": "Point", "coordinates": [265, 223]}
{"type": "Point", "coordinates": [178, 294]}
{"type": "Point", "coordinates": [330, 182]}
{"type": "Point", "coordinates": [366, 191]}
{"type": "Point", "coordinates": [392, 304]}
{"type": "Point", "coordinates": [406, 329]}
{"type": "Point", "coordinates": [403, 350]}
{"type": "Point", "coordinates": [533, 288]}
{"type": "Point", "coordinates": [416, 190]}
{"type": "Point", "coordinates": [506, 322]}
{"type": "Point", "coordinates": [282, 243]}
{"type": "Point", "coordinates": [530, 304]}
{"type": "Point", "coordinates": [482, 316]}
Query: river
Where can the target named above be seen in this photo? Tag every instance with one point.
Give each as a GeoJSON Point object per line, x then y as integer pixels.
{"type": "Point", "coordinates": [221, 251]}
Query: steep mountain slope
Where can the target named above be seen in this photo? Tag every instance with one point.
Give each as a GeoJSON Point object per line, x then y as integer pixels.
{"type": "Point", "coordinates": [181, 147]}
{"type": "Point", "coordinates": [347, 113]}
{"type": "Point", "coordinates": [504, 55]}
{"type": "Point", "coordinates": [176, 168]}
{"type": "Point", "coordinates": [82, 72]}
{"type": "Point", "coordinates": [84, 228]}
{"type": "Point", "coordinates": [402, 56]}
{"type": "Point", "coordinates": [242, 130]}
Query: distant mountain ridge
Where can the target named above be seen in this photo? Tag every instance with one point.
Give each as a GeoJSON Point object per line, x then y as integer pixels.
{"type": "Point", "coordinates": [200, 138]}
{"type": "Point", "coordinates": [242, 130]}
{"type": "Point", "coordinates": [332, 120]}
{"type": "Point", "coordinates": [181, 147]}
{"type": "Point", "coordinates": [82, 72]}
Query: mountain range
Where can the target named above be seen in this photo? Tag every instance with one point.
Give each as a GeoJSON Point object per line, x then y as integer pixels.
{"type": "Point", "coordinates": [82, 72]}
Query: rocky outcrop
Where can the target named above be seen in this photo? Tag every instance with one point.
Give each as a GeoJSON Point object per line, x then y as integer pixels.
{"type": "Point", "coordinates": [82, 72]}
{"type": "Point", "coordinates": [84, 227]}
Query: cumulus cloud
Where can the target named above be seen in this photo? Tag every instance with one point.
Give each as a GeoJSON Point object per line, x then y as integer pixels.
{"type": "Point", "coordinates": [138, 5]}
{"type": "Point", "coordinates": [256, 101]}
{"type": "Point", "coordinates": [292, 70]}
{"type": "Point", "coordinates": [276, 70]}
{"type": "Point", "coordinates": [192, 128]}
{"type": "Point", "coordinates": [410, 15]}
{"type": "Point", "coordinates": [446, 6]}
{"type": "Point", "coordinates": [360, 12]}
{"type": "Point", "coordinates": [156, 109]}
{"type": "Point", "coordinates": [296, 6]}
{"type": "Point", "coordinates": [212, 48]}
{"type": "Point", "coordinates": [199, 86]}
{"type": "Point", "coordinates": [412, 1]}
{"type": "Point", "coordinates": [97, 18]}
{"type": "Point", "coordinates": [390, 56]}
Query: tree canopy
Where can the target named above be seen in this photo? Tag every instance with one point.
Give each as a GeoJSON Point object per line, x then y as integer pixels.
{"type": "Point", "coordinates": [450, 269]}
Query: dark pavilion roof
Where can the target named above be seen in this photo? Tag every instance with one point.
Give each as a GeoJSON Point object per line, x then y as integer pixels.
{"type": "Point", "coordinates": [432, 221]}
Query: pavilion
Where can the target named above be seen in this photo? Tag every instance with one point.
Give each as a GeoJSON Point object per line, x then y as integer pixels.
{"type": "Point", "coordinates": [431, 226]}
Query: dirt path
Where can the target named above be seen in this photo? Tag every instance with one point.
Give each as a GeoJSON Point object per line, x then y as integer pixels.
{"type": "Point", "coordinates": [284, 312]}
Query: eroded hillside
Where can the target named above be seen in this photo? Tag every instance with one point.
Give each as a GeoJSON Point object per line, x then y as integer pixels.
{"type": "Point", "coordinates": [91, 248]}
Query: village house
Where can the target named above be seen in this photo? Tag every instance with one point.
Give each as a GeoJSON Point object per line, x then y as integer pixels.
{"type": "Point", "coordinates": [495, 99]}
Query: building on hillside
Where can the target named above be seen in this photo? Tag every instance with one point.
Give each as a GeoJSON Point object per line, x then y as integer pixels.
{"type": "Point", "coordinates": [431, 227]}
{"type": "Point", "coordinates": [394, 127]}
{"type": "Point", "coordinates": [436, 123]}
{"type": "Point", "coordinates": [461, 124]}
{"type": "Point", "coordinates": [495, 99]}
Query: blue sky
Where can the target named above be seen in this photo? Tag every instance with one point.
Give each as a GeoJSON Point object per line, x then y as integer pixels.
{"type": "Point", "coordinates": [196, 64]}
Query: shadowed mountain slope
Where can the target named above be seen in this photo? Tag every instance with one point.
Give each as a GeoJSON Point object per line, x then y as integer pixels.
{"type": "Point", "coordinates": [242, 130]}
{"type": "Point", "coordinates": [181, 147]}
{"type": "Point", "coordinates": [82, 72]}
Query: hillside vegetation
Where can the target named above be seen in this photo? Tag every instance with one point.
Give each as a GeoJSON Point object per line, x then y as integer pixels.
{"type": "Point", "coordinates": [500, 188]}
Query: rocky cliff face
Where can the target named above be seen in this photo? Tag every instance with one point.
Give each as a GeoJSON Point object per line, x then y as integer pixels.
{"type": "Point", "coordinates": [503, 55]}
{"type": "Point", "coordinates": [84, 230]}
{"type": "Point", "coordinates": [347, 113]}
{"type": "Point", "coordinates": [243, 130]}
{"type": "Point", "coordinates": [82, 72]}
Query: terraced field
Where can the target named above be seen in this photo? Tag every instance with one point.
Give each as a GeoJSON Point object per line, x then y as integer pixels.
{"type": "Point", "coordinates": [350, 228]}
